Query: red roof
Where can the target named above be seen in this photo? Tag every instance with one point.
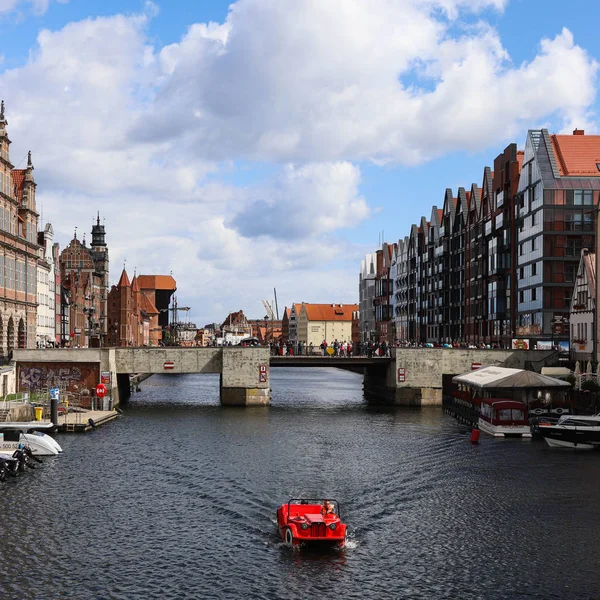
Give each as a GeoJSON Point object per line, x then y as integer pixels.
{"type": "Point", "coordinates": [148, 306]}
{"type": "Point", "coordinates": [330, 312]}
{"type": "Point", "coordinates": [18, 177]}
{"type": "Point", "coordinates": [577, 155]}
{"type": "Point", "coordinates": [157, 282]}
{"type": "Point", "coordinates": [124, 281]}
{"type": "Point", "coordinates": [135, 286]}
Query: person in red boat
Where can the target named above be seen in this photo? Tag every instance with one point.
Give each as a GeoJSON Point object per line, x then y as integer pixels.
{"type": "Point", "coordinates": [327, 508]}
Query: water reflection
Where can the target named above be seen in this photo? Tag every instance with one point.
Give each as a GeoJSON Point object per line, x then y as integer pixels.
{"type": "Point", "coordinates": [177, 499]}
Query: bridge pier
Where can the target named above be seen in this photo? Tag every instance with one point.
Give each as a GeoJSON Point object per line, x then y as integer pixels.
{"type": "Point", "coordinates": [245, 377]}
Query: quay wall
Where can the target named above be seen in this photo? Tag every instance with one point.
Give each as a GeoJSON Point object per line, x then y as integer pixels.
{"type": "Point", "coordinates": [417, 374]}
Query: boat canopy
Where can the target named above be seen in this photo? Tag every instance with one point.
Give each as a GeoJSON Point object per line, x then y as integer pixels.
{"type": "Point", "coordinates": [505, 378]}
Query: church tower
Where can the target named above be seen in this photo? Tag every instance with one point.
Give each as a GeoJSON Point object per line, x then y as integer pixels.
{"type": "Point", "coordinates": [100, 255]}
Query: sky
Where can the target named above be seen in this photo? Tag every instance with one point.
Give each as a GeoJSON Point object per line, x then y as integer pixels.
{"type": "Point", "coordinates": [259, 144]}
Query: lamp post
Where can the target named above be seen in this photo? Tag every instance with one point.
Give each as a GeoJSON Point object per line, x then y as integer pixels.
{"type": "Point", "coordinates": [89, 312]}
{"type": "Point", "coordinates": [101, 332]}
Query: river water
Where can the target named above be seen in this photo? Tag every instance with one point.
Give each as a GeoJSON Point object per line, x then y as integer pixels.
{"type": "Point", "coordinates": [176, 499]}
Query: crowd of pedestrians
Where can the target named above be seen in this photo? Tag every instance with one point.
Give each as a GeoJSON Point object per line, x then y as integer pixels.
{"type": "Point", "coordinates": [336, 348]}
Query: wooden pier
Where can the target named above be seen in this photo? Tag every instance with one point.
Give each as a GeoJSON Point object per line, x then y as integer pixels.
{"type": "Point", "coordinates": [81, 421]}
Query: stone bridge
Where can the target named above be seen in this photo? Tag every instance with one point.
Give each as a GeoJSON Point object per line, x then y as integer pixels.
{"type": "Point", "coordinates": [411, 376]}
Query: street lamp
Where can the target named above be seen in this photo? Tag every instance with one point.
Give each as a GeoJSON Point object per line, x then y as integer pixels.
{"type": "Point", "coordinates": [89, 311]}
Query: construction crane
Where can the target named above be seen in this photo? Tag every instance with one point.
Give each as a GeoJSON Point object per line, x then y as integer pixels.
{"type": "Point", "coordinates": [269, 310]}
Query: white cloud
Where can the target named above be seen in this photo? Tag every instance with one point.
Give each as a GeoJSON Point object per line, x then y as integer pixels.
{"type": "Point", "coordinates": [380, 80]}
{"type": "Point", "coordinates": [150, 136]}
{"type": "Point", "coordinates": [308, 201]}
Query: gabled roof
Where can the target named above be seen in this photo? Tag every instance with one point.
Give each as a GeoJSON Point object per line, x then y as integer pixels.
{"type": "Point", "coordinates": [148, 306]}
{"type": "Point", "coordinates": [18, 178]}
{"type": "Point", "coordinates": [487, 191]}
{"type": "Point", "coordinates": [475, 198]}
{"type": "Point", "coordinates": [330, 312]}
{"type": "Point", "coordinates": [577, 155]}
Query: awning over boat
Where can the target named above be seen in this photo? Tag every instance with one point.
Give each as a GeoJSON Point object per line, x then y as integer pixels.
{"type": "Point", "coordinates": [504, 378]}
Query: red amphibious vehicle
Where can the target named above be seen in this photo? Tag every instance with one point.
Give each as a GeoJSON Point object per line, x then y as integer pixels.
{"type": "Point", "coordinates": [302, 521]}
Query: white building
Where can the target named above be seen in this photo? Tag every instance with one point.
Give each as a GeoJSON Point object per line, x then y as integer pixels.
{"type": "Point", "coordinates": [583, 308]}
{"type": "Point", "coordinates": [46, 292]}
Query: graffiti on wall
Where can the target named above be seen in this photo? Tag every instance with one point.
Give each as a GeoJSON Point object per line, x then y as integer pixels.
{"type": "Point", "coordinates": [68, 376]}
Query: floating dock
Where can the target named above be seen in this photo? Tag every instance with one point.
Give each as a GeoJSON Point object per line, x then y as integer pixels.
{"type": "Point", "coordinates": [81, 421]}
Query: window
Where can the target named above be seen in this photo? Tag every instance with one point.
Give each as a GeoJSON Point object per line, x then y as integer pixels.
{"type": "Point", "coordinates": [533, 219]}
{"type": "Point", "coordinates": [534, 294]}
{"type": "Point", "coordinates": [521, 296]}
{"type": "Point", "coordinates": [522, 273]}
{"type": "Point", "coordinates": [521, 250]}
{"type": "Point", "coordinates": [533, 244]}
{"type": "Point", "coordinates": [534, 269]}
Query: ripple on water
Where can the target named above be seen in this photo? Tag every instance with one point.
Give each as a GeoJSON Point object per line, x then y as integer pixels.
{"type": "Point", "coordinates": [177, 499]}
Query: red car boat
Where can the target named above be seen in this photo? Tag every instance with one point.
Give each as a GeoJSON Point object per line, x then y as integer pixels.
{"type": "Point", "coordinates": [302, 521]}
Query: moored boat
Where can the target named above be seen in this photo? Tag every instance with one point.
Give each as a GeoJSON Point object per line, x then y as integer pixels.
{"type": "Point", "coordinates": [502, 417]}
{"type": "Point", "coordinates": [572, 431]}
{"type": "Point", "coordinates": [39, 443]}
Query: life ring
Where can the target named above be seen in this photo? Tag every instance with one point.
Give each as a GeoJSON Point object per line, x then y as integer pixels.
{"type": "Point", "coordinates": [559, 411]}
{"type": "Point", "coordinates": [538, 411]}
{"type": "Point", "coordinates": [289, 538]}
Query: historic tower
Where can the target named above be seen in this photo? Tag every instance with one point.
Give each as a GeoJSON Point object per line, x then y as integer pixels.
{"type": "Point", "coordinates": [100, 254]}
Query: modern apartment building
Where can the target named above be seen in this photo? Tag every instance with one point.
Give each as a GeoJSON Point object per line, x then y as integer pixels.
{"type": "Point", "coordinates": [557, 203]}
{"type": "Point", "coordinates": [498, 263]}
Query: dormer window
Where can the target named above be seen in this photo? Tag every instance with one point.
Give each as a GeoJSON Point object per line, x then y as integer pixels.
{"type": "Point", "coordinates": [598, 166]}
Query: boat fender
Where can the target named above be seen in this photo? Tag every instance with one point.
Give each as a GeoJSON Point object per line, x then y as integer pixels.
{"type": "Point", "coordinates": [289, 538]}
{"type": "Point", "coordinates": [91, 423]}
{"type": "Point", "coordinates": [475, 435]}
{"type": "Point", "coordinates": [117, 409]}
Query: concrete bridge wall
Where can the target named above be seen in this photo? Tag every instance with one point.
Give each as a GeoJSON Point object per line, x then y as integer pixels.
{"type": "Point", "coordinates": [245, 377]}
{"type": "Point", "coordinates": [412, 377]}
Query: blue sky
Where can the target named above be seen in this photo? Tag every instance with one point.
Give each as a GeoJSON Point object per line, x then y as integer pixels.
{"type": "Point", "coordinates": [273, 147]}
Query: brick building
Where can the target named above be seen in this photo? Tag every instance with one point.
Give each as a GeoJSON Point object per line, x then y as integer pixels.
{"type": "Point", "coordinates": [133, 318]}
{"type": "Point", "coordinates": [84, 278]}
{"type": "Point", "coordinates": [18, 249]}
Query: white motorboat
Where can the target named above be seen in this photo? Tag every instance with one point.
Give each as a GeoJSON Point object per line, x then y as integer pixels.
{"type": "Point", "coordinates": [572, 431]}
{"type": "Point", "coordinates": [29, 426]}
{"type": "Point", "coordinates": [40, 443]}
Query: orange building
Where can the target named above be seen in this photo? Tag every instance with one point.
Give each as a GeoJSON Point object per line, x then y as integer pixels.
{"type": "Point", "coordinates": [159, 289]}
{"type": "Point", "coordinates": [132, 314]}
